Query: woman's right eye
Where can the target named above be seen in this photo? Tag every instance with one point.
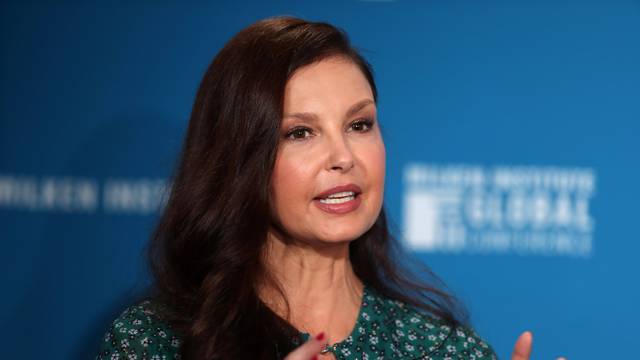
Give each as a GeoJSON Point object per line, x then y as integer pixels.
{"type": "Point", "coordinates": [299, 133]}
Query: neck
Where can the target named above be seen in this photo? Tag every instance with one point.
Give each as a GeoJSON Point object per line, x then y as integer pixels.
{"type": "Point", "coordinates": [321, 289]}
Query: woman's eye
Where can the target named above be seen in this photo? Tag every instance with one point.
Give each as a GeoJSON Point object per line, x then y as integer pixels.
{"type": "Point", "coordinates": [362, 125]}
{"type": "Point", "coordinates": [299, 133]}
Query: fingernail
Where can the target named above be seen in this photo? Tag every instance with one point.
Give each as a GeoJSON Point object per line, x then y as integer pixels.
{"type": "Point", "coordinates": [320, 336]}
{"type": "Point", "coordinates": [315, 357]}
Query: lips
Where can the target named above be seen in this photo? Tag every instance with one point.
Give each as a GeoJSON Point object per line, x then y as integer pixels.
{"type": "Point", "coordinates": [339, 189]}
{"type": "Point", "coordinates": [339, 200]}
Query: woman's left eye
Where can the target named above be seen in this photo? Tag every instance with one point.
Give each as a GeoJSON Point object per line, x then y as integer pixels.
{"type": "Point", "coordinates": [299, 133]}
{"type": "Point", "coordinates": [361, 125]}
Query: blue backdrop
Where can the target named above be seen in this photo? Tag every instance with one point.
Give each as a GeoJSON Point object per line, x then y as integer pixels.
{"type": "Point", "coordinates": [512, 131]}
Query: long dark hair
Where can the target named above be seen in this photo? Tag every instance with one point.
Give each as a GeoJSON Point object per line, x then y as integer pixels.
{"type": "Point", "coordinates": [206, 252]}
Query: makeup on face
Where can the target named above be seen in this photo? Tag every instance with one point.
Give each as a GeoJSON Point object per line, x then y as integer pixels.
{"type": "Point", "coordinates": [328, 178]}
{"type": "Point", "coordinates": [340, 199]}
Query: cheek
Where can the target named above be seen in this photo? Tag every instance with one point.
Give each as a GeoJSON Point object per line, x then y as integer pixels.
{"type": "Point", "coordinates": [380, 162]}
{"type": "Point", "coordinates": [291, 181]}
{"type": "Point", "coordinates": [374, 159]}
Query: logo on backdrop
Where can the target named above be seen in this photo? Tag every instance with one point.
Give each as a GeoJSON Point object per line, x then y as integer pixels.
{"type": "Point", "coordinates": [528, 210]}
{"type": "Point", "coordinates": [68, 194]}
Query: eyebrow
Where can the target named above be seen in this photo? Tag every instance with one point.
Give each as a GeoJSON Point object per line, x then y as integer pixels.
{"type": "Point", "coordinates": [307, 116]}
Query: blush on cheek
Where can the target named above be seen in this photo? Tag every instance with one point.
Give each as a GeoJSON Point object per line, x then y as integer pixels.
{"type": "Point", "coordinates": [378, 179]}
{"type": "Point", "coordinates": [377, 165]}
{"type": "Point", "coordinates": [289, 189]}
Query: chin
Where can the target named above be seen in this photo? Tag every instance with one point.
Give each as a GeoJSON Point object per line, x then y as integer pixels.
{"type": "Point", "coordinates": [342, 235]}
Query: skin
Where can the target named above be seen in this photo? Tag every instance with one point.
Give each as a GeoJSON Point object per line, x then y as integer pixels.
{"type": "Point", "coordinates": [328, 147]}
{"type": "Point", "coordinates": [329, 137]}
{"type": "Point", "coordinates": [329, 106]}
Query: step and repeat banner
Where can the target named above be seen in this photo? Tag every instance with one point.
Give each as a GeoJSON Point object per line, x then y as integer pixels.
{"type": "Point", "coordinates": [513, 156]}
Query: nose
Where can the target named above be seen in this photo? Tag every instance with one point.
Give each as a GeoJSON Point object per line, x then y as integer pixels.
{"type": "Point", "coordinates": [340, 156]}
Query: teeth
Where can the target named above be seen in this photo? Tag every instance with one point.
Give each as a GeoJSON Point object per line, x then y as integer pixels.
{"type": "Point", "coordinates": [341, 194]}
{"type": "Point", "coordinates": [337, 201]}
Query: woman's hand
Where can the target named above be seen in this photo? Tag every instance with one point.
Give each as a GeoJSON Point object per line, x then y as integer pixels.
{"type": "Point", "coordinates": [522, 350]}
{"type": "Point", "coordinates": [309, 350]}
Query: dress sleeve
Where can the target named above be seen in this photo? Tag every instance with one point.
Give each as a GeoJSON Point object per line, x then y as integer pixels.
{"type": "Point", "coordinates": [465, 343]}
{"type": "Point", "coordinates": [138, 334]}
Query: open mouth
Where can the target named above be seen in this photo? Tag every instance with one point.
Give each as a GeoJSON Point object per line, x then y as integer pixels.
{"type": "Point", "coordinates": [339, 198]}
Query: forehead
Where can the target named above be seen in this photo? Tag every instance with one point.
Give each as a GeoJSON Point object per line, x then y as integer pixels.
{"type": "Point", "coordinates": [332, 82]}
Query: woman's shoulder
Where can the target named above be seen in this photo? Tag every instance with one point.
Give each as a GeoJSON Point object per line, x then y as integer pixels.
{"type": "Point", "coordinates": [420, 335]}
{"type": "Point", "coordinates": [447, 341]}
{"type": "Point", "coordinates": [140, 333]}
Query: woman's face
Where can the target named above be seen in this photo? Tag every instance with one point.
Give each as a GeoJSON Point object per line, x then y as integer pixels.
{"type": "Point", "coordinates": [328, 179]}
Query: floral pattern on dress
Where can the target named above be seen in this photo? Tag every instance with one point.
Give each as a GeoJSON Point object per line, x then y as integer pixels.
{"type": "Point", "coordinates": [138, 334]}
{"type": "Point", "coordinates": [385, 329]}
{"type": "Point", "coordinates": [390, 329]}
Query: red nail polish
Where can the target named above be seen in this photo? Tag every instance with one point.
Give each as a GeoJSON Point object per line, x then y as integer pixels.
{"type": "Point", "coordinates": [315, 357]}
{"type": "Point", "coordinates": [320, 336]}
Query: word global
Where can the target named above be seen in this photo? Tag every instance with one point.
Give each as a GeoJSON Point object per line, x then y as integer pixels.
{"type": "Point", "coordinates": [525, 210]}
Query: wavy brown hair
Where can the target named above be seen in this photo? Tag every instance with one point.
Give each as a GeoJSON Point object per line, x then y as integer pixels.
{"type": "Point", "coordinates": [206, 252]}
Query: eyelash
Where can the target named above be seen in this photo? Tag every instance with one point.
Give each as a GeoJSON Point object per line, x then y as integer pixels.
{"type": "Point", "coordinates": [368, 123]}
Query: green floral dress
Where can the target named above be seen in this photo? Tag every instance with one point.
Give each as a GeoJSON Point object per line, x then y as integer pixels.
{"type": "Point", "coordinates": [385, 329]}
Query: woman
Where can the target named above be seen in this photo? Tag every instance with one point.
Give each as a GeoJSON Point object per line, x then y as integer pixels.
{"type": "Point", "coordinates": [274, 229]}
